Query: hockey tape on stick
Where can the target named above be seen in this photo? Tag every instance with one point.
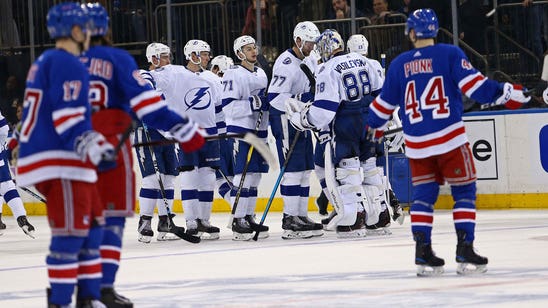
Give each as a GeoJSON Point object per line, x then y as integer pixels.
{"type": "Point", "coordinates": [311, 79]}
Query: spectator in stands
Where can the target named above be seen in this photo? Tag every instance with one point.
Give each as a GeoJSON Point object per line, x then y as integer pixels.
{"type": "Point", "coordinates": [313, 9]}
{"type": "Point", "coordinates": [381, 11]}
{"type": "Point", "coordinates": [11, 94]}
{"type": "Point", "coordinates": [341, 9]}
{"type": "Point", "coordinates": [250, 26]}
{"type": "Point", "coordinates": [472, 24]}
{"type": "Point", "coordinates": [527, 23]}
{"type": "Point", "coordinates": [404, 9]}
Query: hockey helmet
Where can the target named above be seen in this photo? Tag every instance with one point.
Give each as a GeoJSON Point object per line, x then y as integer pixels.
{"type": "Point", "coordinates": [62, 17]}
{"type": "Point", "coordinates": [424, 22]}
{"type": "Point", "coordinates": [156, 50]}
{"type": "Point", "coordinates": [222, 62]}
{"type": "Point", "coordinates": [240, 42]}
{"type": "Point", "coordinates": [307, 31]}
{"type": "Point", "coordinates": [195, 46]}
{"type": "Point", "coordinates": [329, 41]}
{"type": "Point", "coordinates": [357, 43]}
{"type": "Point", "coordinates": [99, 19]}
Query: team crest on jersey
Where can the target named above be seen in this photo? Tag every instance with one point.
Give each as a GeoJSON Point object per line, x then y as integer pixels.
{"type": "Point", "coordinates": [198, 98]}
{"type": "Point", "coordinates": [287, 60]}
{"type": "Point", "coordinates": [321, 69]}
{"type": "Point", "coordinates": [137, 76]}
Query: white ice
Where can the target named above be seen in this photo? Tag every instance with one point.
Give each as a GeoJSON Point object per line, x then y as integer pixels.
{"type": "Point", "coordinates": [318, 272]}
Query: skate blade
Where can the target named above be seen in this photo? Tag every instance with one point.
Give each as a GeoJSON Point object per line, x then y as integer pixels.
{"type": "Point", "coordinates": [317, 233]}
{"type": "Point", "coordinates": [378, 232]}
{"type": "Point", "coordinates": [164, 236]}
{"type": "Point", "coordinates": [144, 239]}
{"type": "Point", "coordinates": [352, 234]}
{"type": "Point", "coordinates": [241, 236]}
{"type": "Point", "coordinates": [289, 235]}
{"type": "Point", "coordinates": [28, 232]}
{"type": "Point", "coordinates": [471, 269]}
{"type": "Point", "coordinates": [209, 236]}
{"type": "Point", "coordinates": [429, 271]}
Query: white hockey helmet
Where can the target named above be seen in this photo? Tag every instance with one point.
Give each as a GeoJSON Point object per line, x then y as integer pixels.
{"type": "Point", "coordinates": [329, 41]}
{"type": "Point", "coordinates": [240, 42]}
{"type": "Point", "coordinates": [307, 31]}
{"type": "Point", "coordinates": [222, 62]}
{"type": "Point", "coordinates": [156, 49]}
{"type": "Point", "coordinates": [195, 46]}
{"type": "Point", "coordinates": [357, 43]}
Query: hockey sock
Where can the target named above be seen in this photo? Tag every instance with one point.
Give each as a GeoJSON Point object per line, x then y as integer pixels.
{"type": "Point", "coordinates": [206, 202]}
{"type": "Point", "coordinates": [147, 201]}
{"type": "Point", "coordinates": [422, 209]}
{"type": "Point", "coordinates": [303, 200]}
{"type": "Point", "coordinates": [464, 210]}
{"type": "Point", "coordinates": [254, 180]}
{"type": "Point", "coordinates": [89, 265]}
{"type": "Point", "coordinates": [291, 191]}
{"type": "Point", "coordinates": [62, 263]}
{"type": "Point", "coordinates": [111, 247]}
{"type": "Point", "coordinates": [206, 188]}
{"type": "Point", "coordinates": [12, 198]}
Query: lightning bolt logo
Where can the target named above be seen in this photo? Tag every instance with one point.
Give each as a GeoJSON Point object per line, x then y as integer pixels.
{"type": "Point", "coordinates": [200, 99]}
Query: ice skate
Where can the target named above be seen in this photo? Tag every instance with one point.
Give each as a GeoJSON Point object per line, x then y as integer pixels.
{"type": "Point", "coordinates": [2, 225]}
{"type": "Point", "coordinates": [293, 227]}
{"type": "Point", "coordinates": [26, 226]}
{"type": "Point", "coordinates": [112, 299]}
{"type": "Point", "coordinates": [145, 229]}
{"type": "Point", "coordinates": [354, 231]}
{"type": "Point", "coordinates": [425, 259]}
{"type": "Point", "coordinates": [241, 230]}
{"type": "Point", "coordinates": [326, 221]}
{"type": "Point", "coordinates": [205, 227]}
{"type": "Point", "coordinates": [321, 203]}
{"type": "Point", "coordinates": [317, 228]}
{"type": "Point", "coordinates": [192, 227]}
{"type": "Point", "coordinates": [165, 230]}
{"type": "Point", "coordinates": [397, 210]}
{"type": "Point", "coordinates": [468, 261]}
{"type": "Point", "coordinates": [262, 229]}
{"type": "Point", "coordinates": [381, 227]}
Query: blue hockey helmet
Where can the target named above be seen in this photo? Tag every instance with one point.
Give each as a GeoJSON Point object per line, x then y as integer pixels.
{"type": "Point", "coordinates": [424, 22]}
{"type": "Point", "coordinates": [62, 17]}
{"type": "Point", "coordinates": [99, 19]}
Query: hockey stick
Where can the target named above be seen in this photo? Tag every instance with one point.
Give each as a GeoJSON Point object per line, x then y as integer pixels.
{"type": "Point", "coordinates": [178, 231]}
{"type": "Point", "coordinates": [32, 193]}
{"type": "Point", "coordinates": [311, 79]}
{"type": "Point", "coordinates": [280, 175]}
{"type": "Point", "coordinates": [249, 137]}
{"type": "Point", "coordinates": [244, 173]}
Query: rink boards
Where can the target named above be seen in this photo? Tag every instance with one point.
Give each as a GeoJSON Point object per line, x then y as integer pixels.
{"type": "Point", "coordinates": [510, 150]}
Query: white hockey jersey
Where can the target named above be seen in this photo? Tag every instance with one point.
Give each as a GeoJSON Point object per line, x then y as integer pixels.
{"type": "Point", "coordinates": [287, 80]}
{"type": "Point", "coordinates": [239, 84]}
{"type": "Point", "coordinates": [189, 94]}
{"type": "Point", "coordinates": [346, 77]}
{"type": "Point", "coordinates": [219, 114]}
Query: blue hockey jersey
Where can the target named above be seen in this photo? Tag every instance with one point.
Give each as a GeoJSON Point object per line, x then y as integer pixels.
{"type": "Point", "coordinates": [56, 111]}
{"type": "Point", "coordinates": [427, 83]}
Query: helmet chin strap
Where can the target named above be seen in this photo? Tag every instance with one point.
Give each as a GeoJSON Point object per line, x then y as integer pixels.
{"type": "Point", "coordinates": [300, 48]}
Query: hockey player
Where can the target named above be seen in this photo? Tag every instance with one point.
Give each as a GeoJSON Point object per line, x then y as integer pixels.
{"type": "Point", "coordinates": [150, 194]}
{"type": "Point", "coordinates": [118, 92]}
{"type": "Point", "coordinates": [58, 151]}
{"type": "Point", "coordinates": [246, 110]}
{"type": "Point", "coordinates": [343, 82]}
{"type": "Point", "coordinates": [427, 83]}
{"type": "Point", "coordinates": [225, 174]}
{"type": "Point", "coordinates": [289, 81]}
{"type": "Point", "coordinates": [7, 185]}
{"type": "Point", "coordinates": [190, 93]}
{"type": "Point", "coordinates": [373, 175]}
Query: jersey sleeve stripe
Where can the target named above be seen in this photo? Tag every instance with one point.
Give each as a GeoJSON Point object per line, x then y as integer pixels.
{"type": "Point", "coordinates": [381, 108]}
{"type": "Point", "coordinates": [471, 83]}
{"type": "Point", "coordinates": [327, 105]}
{"type": "Point", "coordinates": [66, 118]}
{"type": "Point", "coordinates": [146, 102]}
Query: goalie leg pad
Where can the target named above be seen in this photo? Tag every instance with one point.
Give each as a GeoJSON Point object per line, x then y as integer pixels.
{"type": "Point", "coordinates": [372, 204]}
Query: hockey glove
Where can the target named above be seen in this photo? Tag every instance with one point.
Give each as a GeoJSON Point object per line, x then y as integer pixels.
{"type": "Point", "coordinates": [545, 96]}
{"type": "Point", "coordinates": [93, 146]}
{"type": "Point", "coordinates": [297, 113]}
{"type": "Point", "coordinates": [258, 102]}
{"type": "Point", "coordinates": [189, 135]}
{"type": "Point", "coordinates": [512, 96]}
{"type": "Point", "coordinates": [375, 134]}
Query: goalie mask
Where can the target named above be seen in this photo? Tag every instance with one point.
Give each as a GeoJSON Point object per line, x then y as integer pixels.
{"type": "Point", "coordinates": [328, 42]}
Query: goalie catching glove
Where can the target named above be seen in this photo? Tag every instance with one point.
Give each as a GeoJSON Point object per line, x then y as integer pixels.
{"type": "Point", "coordinates": [190, 136]}
{"type": "Point", "coordinates": [512, 96]}
{"type": "Point", "coordinates": [297, 113]}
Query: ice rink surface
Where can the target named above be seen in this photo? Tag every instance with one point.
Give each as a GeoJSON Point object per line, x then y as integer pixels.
{"type": "Point", "coordinates": [317, 272]}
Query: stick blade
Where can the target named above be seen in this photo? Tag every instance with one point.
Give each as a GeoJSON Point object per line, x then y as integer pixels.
{"type": "Point", "coordinates": [180, 232]}
{"type": "Point", "coordinates": [262, 148]}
